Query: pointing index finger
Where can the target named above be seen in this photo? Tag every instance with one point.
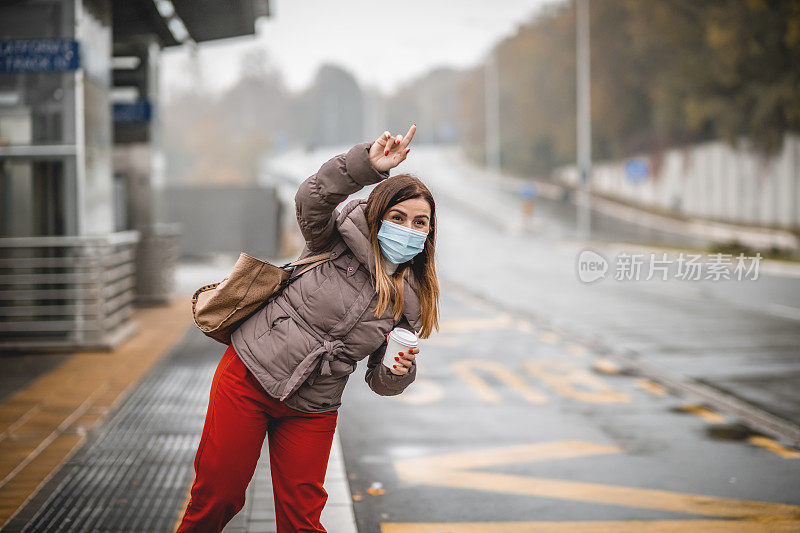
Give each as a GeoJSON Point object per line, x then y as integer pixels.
{"type": "Point", "coordinates": [407, 139]}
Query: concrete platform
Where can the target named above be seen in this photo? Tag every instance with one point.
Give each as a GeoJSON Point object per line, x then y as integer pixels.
{"type": "Point", "coordinates": [105, 441]}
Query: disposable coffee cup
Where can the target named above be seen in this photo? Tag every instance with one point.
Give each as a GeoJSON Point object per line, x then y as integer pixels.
{"type": "Point", "coordinates": [400, 340]}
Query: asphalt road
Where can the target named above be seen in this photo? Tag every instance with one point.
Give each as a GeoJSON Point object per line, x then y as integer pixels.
{"type": "Point", "coordinates": [510, 427]}
{"type": "Point", "coordinates": [515, 418]}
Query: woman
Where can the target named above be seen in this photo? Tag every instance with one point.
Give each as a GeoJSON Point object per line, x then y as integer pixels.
{"type": "Point", "coordinates": [286, 367]}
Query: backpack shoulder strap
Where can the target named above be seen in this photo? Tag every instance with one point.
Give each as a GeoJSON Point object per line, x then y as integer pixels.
{"type": "Point", "coordinates": [315, 260]}
{"type": "Point", "coordinates": [309, 259]}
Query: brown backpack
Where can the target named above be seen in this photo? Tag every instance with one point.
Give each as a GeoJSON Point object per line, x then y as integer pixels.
{"type": "Point", "coordinates": [219, 308]}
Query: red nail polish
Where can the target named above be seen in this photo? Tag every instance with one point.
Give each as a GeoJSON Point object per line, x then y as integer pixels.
{"type": "Point", "coordinates": [399, 353]}
{"type": "Point", "coordinates": [394, 366]}
{"type": "Point", "coordinates": [386, 152]}
{"type": "Point", "coordinates": [396, 358]}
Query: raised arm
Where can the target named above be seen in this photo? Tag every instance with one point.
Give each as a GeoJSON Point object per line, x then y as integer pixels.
{"type": "Point", "coordinates": [364, 164]}
{"type": "Point", "coordinates": [380, 379]}
{"type": "Point", "coordinates": [317, 197]}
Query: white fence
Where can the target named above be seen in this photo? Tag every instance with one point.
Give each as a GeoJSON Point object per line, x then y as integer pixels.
{"type": "Point", "coordinates": [710, 180]}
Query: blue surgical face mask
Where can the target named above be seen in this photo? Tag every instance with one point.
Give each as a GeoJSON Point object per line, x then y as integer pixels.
{"type": "Point", "coordinates": [399, 243]}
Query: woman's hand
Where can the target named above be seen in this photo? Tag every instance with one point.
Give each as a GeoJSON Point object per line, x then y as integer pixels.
{"type": "Point", "coordinates": [388, 152]}
{"type": "Point", "coordinates": [403, 361]}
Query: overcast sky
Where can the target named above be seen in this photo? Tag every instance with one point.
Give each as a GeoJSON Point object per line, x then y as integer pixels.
{"type": "Point", "coordinates": [383, 43]}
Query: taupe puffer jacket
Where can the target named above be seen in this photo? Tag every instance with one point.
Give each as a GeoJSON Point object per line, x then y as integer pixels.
{"type": "Point", "coordinates": [309, 369]}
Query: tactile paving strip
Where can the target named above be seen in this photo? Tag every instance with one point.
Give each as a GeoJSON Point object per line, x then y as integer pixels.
{"type": "Point", "coordinates": [134, 470]}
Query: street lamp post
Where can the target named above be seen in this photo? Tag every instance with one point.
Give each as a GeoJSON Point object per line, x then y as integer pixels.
{"type": "Point", "coordinates": [583, 121]}
{"type": "Point", "coordinates": [492, 104]}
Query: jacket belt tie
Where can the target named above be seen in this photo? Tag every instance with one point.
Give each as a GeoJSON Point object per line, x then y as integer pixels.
{"type": "Point", "coordinates": [331, 350]}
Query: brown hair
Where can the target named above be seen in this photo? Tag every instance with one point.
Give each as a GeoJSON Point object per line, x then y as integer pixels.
{"type": "Point", "coordinates": [386, 194]}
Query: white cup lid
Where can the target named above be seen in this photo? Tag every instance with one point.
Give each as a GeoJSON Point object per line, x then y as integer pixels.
{"type": "Point", "coordinates": [403, 336]}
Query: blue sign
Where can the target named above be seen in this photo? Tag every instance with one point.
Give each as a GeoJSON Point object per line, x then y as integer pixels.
{"type": "Point", "coordinates": [636, 170]}
{"type": "Point", "coordinates": [39, 55]}
{"type": "Point", "coordinates": [139, 111]}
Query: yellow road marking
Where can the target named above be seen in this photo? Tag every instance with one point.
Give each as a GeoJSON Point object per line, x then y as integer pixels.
{"type": "Point", "coordinates": [465, 369]}
{"type": "Point", "coordinates": [573, 382]}
{"type": "Point", "coordinates": [773, 446]}
{"type": "Point", "coordinates": [576, 349]}
{"type": "Point", "coordinates": [44, 423]}
{"type": "Point", "coordinates": [506, 455]}
{"type": "Point", "coordinates": [548, 337]}
{"type": "Point", "coordinates": [422, 391]}
{"type": "Point", "coordinates": [606, 366]}
{"type": "Point", "coordinates": [629, 526]}
{"type": "Point", "coordinates": [706, 414]}
{"type": "Point", "coordinates": [651, 386]}
{"type": "Point", "coordinates": [450, 470]}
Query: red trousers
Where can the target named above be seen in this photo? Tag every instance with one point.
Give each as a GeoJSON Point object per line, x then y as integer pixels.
{"type": "Point", "coordinates": [240, 414]}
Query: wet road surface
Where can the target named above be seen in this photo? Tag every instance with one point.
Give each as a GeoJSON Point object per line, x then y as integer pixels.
{"type": "Point", "coordinates": [516, 417]}
{"type": "Point", "coordinates": [509, 422]}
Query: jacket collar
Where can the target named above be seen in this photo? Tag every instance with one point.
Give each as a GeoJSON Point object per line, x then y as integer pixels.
{"type": "Point", "coordinates": [352, 226]}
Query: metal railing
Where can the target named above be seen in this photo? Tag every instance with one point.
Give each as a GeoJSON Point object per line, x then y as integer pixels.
{"type": "Point", "coordinates": [67, 292]}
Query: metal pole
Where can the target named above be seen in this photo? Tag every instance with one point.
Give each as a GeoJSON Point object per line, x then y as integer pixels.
{"type": "Point", "coordinates": [492, 103]}
{"type": "Point", "coordinates": [583, 122]}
